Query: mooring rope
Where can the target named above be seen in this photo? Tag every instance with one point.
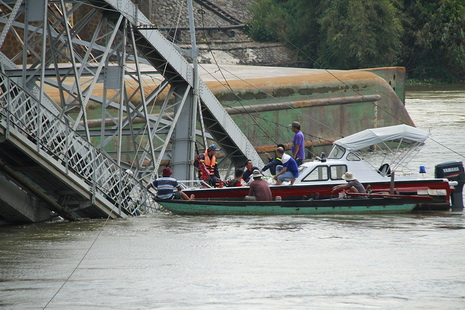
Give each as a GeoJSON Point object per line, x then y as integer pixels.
{"type": "Point", "coordinates": [80, 261]}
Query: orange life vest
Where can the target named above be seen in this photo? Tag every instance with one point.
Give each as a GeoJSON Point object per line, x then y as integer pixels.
{"type": "Point", "coordinates": [210, 163]}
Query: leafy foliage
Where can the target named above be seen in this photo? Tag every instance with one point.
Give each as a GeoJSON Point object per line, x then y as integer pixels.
{"type": "Point", "coordinates": [358, 33]}
{"type": "Point", "coordinates": [425, 36]}
{"type": "Point", "coordinates": [268, 23]}
{"type": "Point", "coordinates": [435, 44]}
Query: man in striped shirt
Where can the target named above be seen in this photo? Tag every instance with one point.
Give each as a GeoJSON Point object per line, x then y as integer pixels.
{"type": "Point", "coordinates": [165, 187]}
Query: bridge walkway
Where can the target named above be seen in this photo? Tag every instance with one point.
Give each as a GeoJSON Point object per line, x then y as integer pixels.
{"type": "Point", "coordinates": [56, 171]}
{"type": "Point", "coordinates": [50, 156]}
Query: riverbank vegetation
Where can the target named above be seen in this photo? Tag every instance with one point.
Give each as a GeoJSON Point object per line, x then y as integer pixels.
{"type": "Point", "coordinates": [425, 36]}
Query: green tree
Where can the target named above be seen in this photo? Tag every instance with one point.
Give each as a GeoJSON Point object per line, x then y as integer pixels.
{"type": "Point", "coordinates": [303, 27]}
{"type": "Point", "coordinates": [342, 34]}
{"type": "Point", "coordinates": [294, 22]}
{"type": "Point", "coordinates": [269, 21]}
{"type": "Point", "coordinates": [425, 36]}
{"type": "Point", "coordinates": [435, 39]}
{"type": "Point", "coordinates": [359, 34]}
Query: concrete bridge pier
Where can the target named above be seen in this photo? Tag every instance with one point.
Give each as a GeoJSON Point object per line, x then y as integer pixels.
{"type": "Point", "coordinates": [15, 204]}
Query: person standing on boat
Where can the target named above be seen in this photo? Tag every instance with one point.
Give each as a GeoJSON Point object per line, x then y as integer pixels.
{"type": "Point", "coordinates": [352, 185]}
{"type": "Point", "coordinates": [298, 144]}
{"type": "Point", "coordinates": [209, 159]}
{"type": "Point", "coordinates": [259, 189]}
{"type": "Point", "coordinates": [249, 169]}
{"type": "Point", "coordinates": [165, 187]}
{"type": "Point", "coordinates": [289, 171]}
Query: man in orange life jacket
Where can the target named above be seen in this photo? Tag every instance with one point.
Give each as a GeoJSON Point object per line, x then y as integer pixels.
{"type": "Point", "coordinates": [209, 159]}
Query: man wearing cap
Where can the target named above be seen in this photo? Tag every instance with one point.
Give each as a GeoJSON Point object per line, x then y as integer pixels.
{"type": "Point", "coordinates": [298, 144]}
{"type": "Point", "coordinates": [209, 159]}
{"type": "Point", "coordinates": [353, 185]}
{"type": "Point", "coordinates": [165, 187]}
{"type": "Point", "coordinates": [259, 189]}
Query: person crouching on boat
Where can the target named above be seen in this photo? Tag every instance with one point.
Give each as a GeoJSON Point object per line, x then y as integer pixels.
{"type": "Point", "coordinates": [273, 162]}
{"type": "Point", "coordinates": [289, 171]}
{"type": "Point", "coordinates": [259, 189]}
{"type": "Point", "coordinates": [165, 187]}
{"type": "Point", "coordinates": [209, 160]}
{"type": "Point", "coordinates": [352, 185]}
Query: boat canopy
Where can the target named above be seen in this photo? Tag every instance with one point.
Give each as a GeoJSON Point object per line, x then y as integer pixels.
{"type": "Point", "coordinates": [369, 137]}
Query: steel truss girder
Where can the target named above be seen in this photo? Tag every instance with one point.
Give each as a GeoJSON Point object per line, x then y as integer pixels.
{"type": "Point", "coordinates": [115, 41]}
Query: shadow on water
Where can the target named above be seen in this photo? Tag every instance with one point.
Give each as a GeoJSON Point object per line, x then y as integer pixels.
{"type": "Point", "coordinates": [435, 88]}
{"type": "Point", "coordinates": [169, 222]}
{"type": "Point", "coordinates": [295, 223]}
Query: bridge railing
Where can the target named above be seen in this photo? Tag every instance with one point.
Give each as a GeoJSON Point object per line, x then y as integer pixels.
{"type": "Point", "coordinates": [53, 135]}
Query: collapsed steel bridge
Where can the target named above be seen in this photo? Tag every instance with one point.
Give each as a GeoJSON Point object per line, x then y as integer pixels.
{"type": "Point", "coordinates": [81, 132]}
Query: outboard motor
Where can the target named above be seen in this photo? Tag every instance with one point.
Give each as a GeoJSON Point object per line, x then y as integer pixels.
{"type": "Point", "coordinates": [453, 171]}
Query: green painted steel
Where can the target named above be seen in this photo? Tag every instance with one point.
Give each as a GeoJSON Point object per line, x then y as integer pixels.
{"type": "Point", "coordinates": [275, 208]}
{"type": "Point", "coordinates": [319, 123]}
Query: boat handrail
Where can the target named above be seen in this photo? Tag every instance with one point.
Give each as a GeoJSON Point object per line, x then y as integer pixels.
{"type": "Point", "coordinates": [188, 184]}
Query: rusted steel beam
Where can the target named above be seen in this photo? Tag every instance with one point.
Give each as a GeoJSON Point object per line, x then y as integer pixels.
{"type": "Point", "coordinates": [271, 107]}
{"type": "Point", "coordinates": [230, 27]}
{"type": "Point", "coordinates": [272, 148]}
{"type": "Point", "coordinates": [301, 104]}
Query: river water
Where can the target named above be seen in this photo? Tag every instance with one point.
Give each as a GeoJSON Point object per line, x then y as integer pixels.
{"type": "Point", "coordinates": [414, 261]}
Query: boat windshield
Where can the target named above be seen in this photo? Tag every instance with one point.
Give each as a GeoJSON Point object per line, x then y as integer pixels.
{"type": "Point", "coordinates": [324, 173]}
{"type": "Point", "coordinates": [353, 157]}
{"type": "Point", "coordinates": [337, 152]}
{"type": "Point", "coordinates": [319, 173]}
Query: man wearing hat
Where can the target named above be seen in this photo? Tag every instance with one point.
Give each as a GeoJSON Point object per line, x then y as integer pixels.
{"type": "Point", "coordinates": [165, 187]}
{"type": "Point", "coordinates": [259, 188]}
{"type": "Point", "coordinates": [298, 144]}
{"type": "Point", "coordinates": [352, 185]}
{"type": "Point", "coordinates": [209, 160]}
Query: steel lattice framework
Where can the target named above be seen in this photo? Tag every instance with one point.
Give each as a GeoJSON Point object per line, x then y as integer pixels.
{"type": "Point", "coordinates": [88, 63]}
